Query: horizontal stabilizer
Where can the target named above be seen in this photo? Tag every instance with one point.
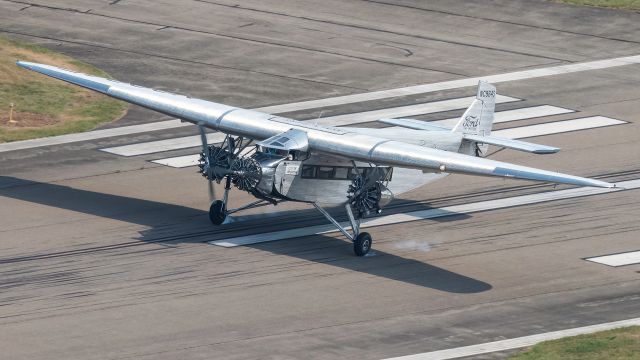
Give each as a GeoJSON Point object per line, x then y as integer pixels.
{"type": "Point", "coordinates": [512, 144]}
{"type": "Point", "coordinates": [414, 124]}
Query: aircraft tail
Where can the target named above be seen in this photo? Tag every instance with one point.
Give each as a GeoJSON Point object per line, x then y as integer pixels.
{"type": "Point", "coordinates": [478, 119]}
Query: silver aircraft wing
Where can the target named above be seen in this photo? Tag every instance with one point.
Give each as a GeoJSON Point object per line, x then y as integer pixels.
{"type": "Point", "coordinates": [338, 141]}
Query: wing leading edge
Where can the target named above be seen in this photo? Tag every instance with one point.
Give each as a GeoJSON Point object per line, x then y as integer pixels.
{"type": "Point", "coordinates": [337, 141]}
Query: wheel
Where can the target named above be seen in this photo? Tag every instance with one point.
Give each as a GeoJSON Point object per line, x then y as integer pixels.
{"type": "Point", "coordinates": [362, 244]}
{"type": "Point", "coordinates": [217, 212]}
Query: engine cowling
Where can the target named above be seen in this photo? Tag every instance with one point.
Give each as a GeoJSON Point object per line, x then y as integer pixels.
{"type": "Point", "coordinates": [249, 173]}
{"type": "Point", "coordinates": [369, 195]}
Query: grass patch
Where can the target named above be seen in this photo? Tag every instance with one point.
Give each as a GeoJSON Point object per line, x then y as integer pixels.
{"type": "Point", "coordinates": [614, 344]}
{"type": "Point", "coordinates": [615, 4]}
{"type": "Point", "coordinates": [44, 106]}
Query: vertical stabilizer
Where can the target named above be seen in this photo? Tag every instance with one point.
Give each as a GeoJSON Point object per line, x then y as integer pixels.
{"type": "Point", "coordinates": [478, 119]}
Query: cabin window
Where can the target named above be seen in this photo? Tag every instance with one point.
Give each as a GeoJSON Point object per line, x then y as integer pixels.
{"type": "Point", "coordinates": [308, 171]}
{"type": "Point", "coordinates": [389, 174]}
{"type": "Point", "coordinates": [354, 172]}
{"type": "Point", "coordinates": [326, 172]}
{"type": "Point", "coordinates": [341, 172]}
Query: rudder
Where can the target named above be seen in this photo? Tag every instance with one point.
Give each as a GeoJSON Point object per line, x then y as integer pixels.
{"type": "Point", "coordinates": [478, 118]}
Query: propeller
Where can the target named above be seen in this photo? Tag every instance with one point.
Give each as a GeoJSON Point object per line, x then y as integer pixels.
{"type": "Point", "coordinates": [207, 165]}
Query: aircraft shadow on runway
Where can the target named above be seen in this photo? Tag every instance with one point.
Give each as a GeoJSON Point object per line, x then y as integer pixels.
{"type": "Point", "coordinates": [155, 215]}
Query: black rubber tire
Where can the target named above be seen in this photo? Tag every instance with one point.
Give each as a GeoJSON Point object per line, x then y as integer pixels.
{"type": "Point", "coordinates": [362, 244]}
{"type": "Point", "coordinates": [217, 212]}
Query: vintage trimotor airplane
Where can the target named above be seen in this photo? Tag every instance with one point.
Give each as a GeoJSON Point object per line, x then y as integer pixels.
{"type": "Point", "coordinates": [279, 159]}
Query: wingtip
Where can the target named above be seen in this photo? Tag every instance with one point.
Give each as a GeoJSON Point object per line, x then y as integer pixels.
{"type": "Point", "coordinates": [607, 185]}
{"type": "Point", "coordinates": [546, 151]}
{"type": "Point", "coordinates": [24, 64]}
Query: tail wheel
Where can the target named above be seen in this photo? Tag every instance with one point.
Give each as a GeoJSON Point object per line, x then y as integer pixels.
{"type": "Point", "coordinates": [362, 244]}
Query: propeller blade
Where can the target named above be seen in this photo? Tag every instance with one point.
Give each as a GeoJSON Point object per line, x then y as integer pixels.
{"type": "Point", "coordinates": [203, 137]}
{"type": "Point", "coordinates": [212, 192]}
{"type": "Point", "coordinates": [205, 150]}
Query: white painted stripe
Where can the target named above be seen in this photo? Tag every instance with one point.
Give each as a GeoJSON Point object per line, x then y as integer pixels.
{"type": "Point", "coordinates": [453, 84]}
{"type": "Point", "coordinates": [514, 115]}
{"type": "Point", "coordinates": [163, 145]}
{"type": "Point", "coordinates": [189, 160]}
{"type": "Point", "coordinates": [92, 135]}
{"type": "Point", "coordinates": [428, 214]}
{"type": "Point", "coordinates": [340, 120]}
{"type": "Point", "coordinates": [516, 343]}
{"type": "Point", "coordinates": [622, 259]}
{"type": "Point", "coordinates": [557, 127]}
{"type": "Point", "coordinates": [404, 111]}
{"type": "Point", "coordinates": [347, 99]}
{"type": "Point", "coordinates": [179, 161]}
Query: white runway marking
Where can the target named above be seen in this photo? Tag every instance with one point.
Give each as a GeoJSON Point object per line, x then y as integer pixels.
{"type": "Point", "coordinates": [514, 115]}
{"type": "Point", "coordinates": [622, 259]}
{"type": "Point", "coordinates": [427, 214]}
{"type": "Point", "coordinates": [558, 127]}
{"type": "Point", "coordinates": [516, 343]}
{"type": "Point", "coordinates": [340, 120]}
{"type": "Point", "coordinates": [514, 133]}
{"type": "Point", "coordinates": [347, 99]}
{"type": "Point", "coordinates": [92, 135]}
{"type": "Point", "coordinates": [453, 84]}
{"type": "Point", "coordinates": [189, 160]}
{"type": "Point", "coordinates": [179, 161]}
{"type": "Point", "coordinates": [163, 145]}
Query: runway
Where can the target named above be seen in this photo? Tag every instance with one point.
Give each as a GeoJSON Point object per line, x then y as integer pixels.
{"type": "Point", "coordinates": [106, 249]}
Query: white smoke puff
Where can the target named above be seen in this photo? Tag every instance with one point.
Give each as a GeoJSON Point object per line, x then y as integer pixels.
{"type": "Point", "coordinates": [418, 245]}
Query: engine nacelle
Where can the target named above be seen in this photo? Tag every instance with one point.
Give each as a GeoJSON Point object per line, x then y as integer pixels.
{"type": "Point", "coordinates": [268, 164]}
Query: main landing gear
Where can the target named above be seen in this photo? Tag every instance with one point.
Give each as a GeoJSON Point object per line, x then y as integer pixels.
{"type": "Point", "coordinates": [217, 212]}
{"type": "Point", "coordinates": [362, 241]}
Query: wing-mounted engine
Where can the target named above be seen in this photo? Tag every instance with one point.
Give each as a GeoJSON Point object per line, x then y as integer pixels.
{"type": "Point", "coordinates": [215, 162]}
{"type": "Point", "coordinates": [368, 192]}
{"type": "Point", "coordinates": [252, 169]}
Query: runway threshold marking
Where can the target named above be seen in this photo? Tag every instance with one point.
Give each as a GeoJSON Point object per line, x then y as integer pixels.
{"type": "Point", "coordinates": [551, 128]}
{"type": "Point", "coordinates": [179, 162]}
{"type": "Point", "coordinates": [530, 112]}
{"type": "Point", "coordinates": [340, 120]}
{"type": "Point", "coordinates": [620, 259]}
{"type": "Point", "coordinates": [428, 214]}
{"type": "Point", "coordinates": [339, 100]}
{"type": "Point", "coordinates": [558, 127]}
{"type": "Point", "coordinates": [516, 343]}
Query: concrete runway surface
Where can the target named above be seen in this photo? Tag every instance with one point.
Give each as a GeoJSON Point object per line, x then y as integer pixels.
{"type": "Point", "coordinates": [105, 256]}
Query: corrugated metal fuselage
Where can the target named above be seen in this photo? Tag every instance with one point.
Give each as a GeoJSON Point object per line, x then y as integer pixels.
{"type": "Point", "coordinates": [325, 178]}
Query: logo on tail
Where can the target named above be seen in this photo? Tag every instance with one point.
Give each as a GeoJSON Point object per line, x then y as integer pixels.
{"type": "Point", "coordinates": [470, 122]}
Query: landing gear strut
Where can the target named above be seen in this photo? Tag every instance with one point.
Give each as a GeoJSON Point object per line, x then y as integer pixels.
{"type": "Point", "coordinates": [361, 241]}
